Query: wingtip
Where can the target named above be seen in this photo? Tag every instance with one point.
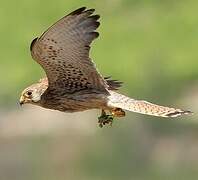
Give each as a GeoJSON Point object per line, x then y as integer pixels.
{"type": "Point", "coordinates": [81, 10]}
{"type": "Point", "coordinates": [178, 113]}
{"type": "Point", "coordinates": [95, 34]}
{"type": "Point", "coordinates": [188, 112]}
{"type": "Point", "coordinates": [78, 11]}
{"type": "Point", "coordinates": [95, 17]}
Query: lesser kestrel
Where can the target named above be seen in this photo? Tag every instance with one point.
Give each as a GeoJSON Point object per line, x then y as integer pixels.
{"type": "Point", "coordinates": [73, 83]}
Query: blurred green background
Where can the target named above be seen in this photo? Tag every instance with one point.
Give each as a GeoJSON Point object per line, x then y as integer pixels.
{"type": "Point", "coordinates": [151, 45]}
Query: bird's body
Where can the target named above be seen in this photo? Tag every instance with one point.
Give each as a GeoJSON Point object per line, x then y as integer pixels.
{"type": "Point", "coordinates": [66, 102]}
{"type": "Point", "coordinates": [73, 84]}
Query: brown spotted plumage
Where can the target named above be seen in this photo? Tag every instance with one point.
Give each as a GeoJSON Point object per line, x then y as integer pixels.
{"type": "Point", "coordinates": [73, 83]}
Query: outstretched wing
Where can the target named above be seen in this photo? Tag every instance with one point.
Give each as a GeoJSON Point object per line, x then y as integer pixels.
{"type": "Point", "coordinates": [143, 107]}
{"type": "Point", "coordinates": [63, 52]}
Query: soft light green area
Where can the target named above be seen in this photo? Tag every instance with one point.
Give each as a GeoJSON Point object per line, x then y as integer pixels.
{"type": "Point", "coordinates": [151, 45]}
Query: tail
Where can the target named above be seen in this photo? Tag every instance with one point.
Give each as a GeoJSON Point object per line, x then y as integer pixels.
{"type": "Point", "coordinates": [143, 107]}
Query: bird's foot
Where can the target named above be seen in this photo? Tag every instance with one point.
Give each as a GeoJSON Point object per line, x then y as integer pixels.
{"type": "Point", "coordinates": [105, 119]}
{"type": "Point", "coordinates": [117, 112]}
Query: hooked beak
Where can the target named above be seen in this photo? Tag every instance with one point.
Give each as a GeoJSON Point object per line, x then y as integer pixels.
{"type": "Point", "coordinates": [21, 101]}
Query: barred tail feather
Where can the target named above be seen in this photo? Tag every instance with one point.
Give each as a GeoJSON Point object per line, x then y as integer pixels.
{"type": "Point", "coordinates": [143, 107]}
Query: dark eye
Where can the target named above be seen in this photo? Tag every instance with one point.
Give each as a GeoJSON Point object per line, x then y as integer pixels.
{"type": "Point", "coordinates": [29, 93]}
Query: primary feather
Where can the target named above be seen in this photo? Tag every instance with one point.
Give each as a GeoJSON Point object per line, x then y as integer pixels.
{"type": "Point", "coordinates": [63, 52]}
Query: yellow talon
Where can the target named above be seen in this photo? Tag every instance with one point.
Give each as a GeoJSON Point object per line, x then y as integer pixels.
{"type": "Point", "coordinates": [117, 112]}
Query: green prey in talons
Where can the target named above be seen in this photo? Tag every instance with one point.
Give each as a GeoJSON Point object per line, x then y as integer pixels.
{"type": "Point", "coordinates": [105, 119]}
{"type": "Point", "coordinates": [108, 119]}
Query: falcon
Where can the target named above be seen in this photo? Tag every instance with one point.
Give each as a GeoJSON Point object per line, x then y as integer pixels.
{"type": "Point", "coordinates": [72, 82]}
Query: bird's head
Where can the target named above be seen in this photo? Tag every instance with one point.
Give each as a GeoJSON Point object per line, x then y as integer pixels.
{"type": "Point", "coordinates": [30, 95]}
{"type": "Point", "coordinates": [33, 93]}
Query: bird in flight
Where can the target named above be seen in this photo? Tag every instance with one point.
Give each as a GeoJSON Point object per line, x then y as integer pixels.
{"type": "Point", "coordinates": [72, 82]}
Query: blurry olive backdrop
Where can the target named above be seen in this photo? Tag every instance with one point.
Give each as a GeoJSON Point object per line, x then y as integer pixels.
{"type": "Point", "coordinates": [151, 45]}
